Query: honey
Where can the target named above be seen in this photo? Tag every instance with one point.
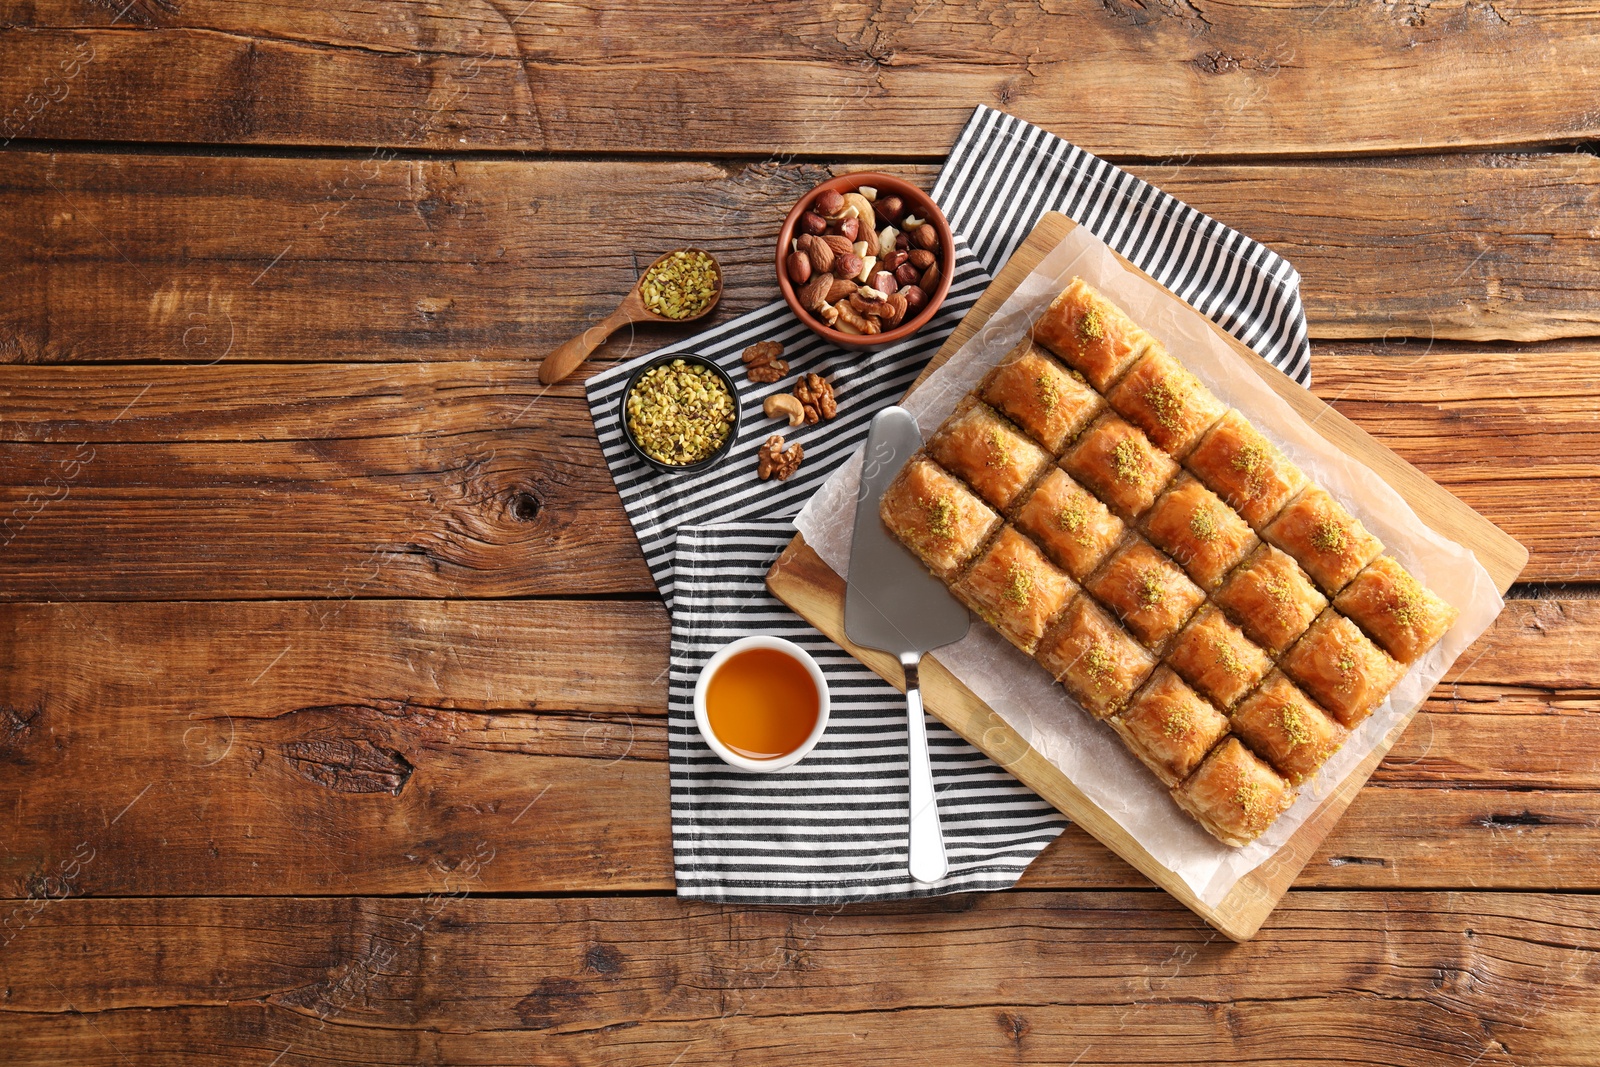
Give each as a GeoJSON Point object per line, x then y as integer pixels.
{"type": "Point", "coordinates": [762, 703]}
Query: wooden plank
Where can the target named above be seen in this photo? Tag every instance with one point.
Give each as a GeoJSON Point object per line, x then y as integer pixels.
{"type": "Point", "coordinates": [801, 580]}
{"type": "Point", "coordinates": [1093, 978]}
{"type": "Point", "coordinates": [465, 479]}
{"type": "Point", "coordinates": [1192, 79]}
{"type": "Point", "coordinates": [345, 747]}
{"type": "Point", "coordinates": [192, 259]}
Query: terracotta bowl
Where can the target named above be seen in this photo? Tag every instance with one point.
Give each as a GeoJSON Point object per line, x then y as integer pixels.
{"type": "Point", "coordinates": [919, 204]}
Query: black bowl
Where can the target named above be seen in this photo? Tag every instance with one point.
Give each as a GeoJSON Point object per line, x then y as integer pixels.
{"type": "Point", "coordinates": [688, 468]}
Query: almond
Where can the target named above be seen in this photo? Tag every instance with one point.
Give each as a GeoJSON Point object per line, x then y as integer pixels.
{"type": "Point", "coordinates": [814, 293]}
{"type": "Point", "coordinates": [930, 279]}
{"type": "Point", "coordinates": [841, 245]}
{"type": "Point", "coordinates": [841, 288]}
{"type": "Point", "coordinates": [818, 251]}
{"type": "Point", "coordinates": [924, 237]}
{"type": "Point", "coordinates": [920, 258]}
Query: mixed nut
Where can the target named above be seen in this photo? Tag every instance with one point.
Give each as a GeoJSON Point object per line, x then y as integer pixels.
{"type": "Point", "coordinates": [811, 402]}
{"type": "Point", "coordinates": [861, 263]}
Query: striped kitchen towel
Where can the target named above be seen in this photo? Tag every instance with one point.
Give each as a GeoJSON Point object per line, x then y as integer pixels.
{"type": "Point", "coordinates": [1002, 175]}
{"type": "Point", "coordinates": [832, 828]}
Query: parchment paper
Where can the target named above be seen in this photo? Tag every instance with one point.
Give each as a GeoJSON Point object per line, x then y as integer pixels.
{"type": "Point", "coordinates": [1022, 693]}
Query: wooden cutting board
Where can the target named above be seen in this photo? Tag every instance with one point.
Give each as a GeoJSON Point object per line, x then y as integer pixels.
{"type": "Point", "coordinates": [802, 580]}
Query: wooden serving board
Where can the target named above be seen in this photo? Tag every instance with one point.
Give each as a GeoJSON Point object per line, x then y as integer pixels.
{"type": "Point", "coordinates": [808, 585]}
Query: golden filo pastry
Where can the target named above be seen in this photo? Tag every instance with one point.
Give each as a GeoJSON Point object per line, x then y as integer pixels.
{"type": "Point", "coordinates": [1070, 523]}
{"type": "Point", "coordinates": [1341, 669]}
{"type": "Point", "coordinates": [1215, 657]}
{"type": "Point", "coordinates": [1161, 397]}
{"type": "Point", "coordinates": [988, 453]}
{"type": "Point", "coordinates": [1271, 599]}
{"type": "Point", "coordinates": [1402, 615]}
{"type": "Point", "coordinates": [1090, 334]}
{"type": "Point", "coordinates": [1241, 466]}
{"type": "Point", "coordinates": [1169, 726]}
{"type": "Point", "coordinates": [937, 517]}
{"type": "Point", "coordinates": [1191, 524]}
{"type": "Point", "coordinates": [1148, 592]}
{"type": "Point", "coordinates": [1329, 542]}
{"type": "Point", "coordinates": [1234, 794]}
{"type": "Point", "coordinates": [1093, 658]}
{"type": "Point", "coordinates": [1115, 460]}
{"type": "Point", "coordinates": [1285, 728]}
{"type": "Point", "coordinates": [1047, 401]}
{"type": "Point", "coordinates": [1015, 589]}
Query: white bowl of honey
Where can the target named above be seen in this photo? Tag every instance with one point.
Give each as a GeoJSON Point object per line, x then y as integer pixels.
{"type": "Point", "coordinates": [761, 704]}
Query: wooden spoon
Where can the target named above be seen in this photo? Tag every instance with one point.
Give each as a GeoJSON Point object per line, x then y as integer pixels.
{"type": "Point", "coordinates": [571, 353]}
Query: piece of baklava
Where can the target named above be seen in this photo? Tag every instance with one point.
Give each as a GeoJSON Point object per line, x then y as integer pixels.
{"type": "Point", "coordinates": [1329, 542]}
{"type": "Point", "coordinates": [1287, 729]}
{"type": "Point", "coordinates": [1146, 590]}
{"type": "Point", "coordinates": [1212, 655]}
{"type": "Point", "coordinates": [1191, 524]}
{"type": "Point", "coordinates": [1271, 599]}
{"type": "Point", "coordinates": [1090, 334]}
{"type": "Point", "coordinates": [1049, 402]}
{"type": "Point", "coordinates": [1015, 589]}
{"type": "Point", "coordinates": [1070, 523]}
{"type": "Point", "coordinates": [1169, 726]}
{"type": "Point", "coordinates": [936, 516]}
{"type": "Point", "coordinates": [1341, 669]}
{"type": "Point", "coordinates": [1161, 397]}
{"type": "Point", "coordinates": [1234, 794]}
{"type": "Point", "coordinates": [988, 453]}
{"type": "Point", "coordinates": [1094, 658]}
{"type": "Point", "coordinates": [1402, 615]}
{"type": "Point", "coordinates": [1115, 460]}
{"type": "Point", "coordinates": [1234, 461]}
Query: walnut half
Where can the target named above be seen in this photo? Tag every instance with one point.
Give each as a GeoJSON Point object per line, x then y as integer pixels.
{"type": "Point", "coordinates": [774, 459]}
{"type": "Point", "coordinates": [815, 394]}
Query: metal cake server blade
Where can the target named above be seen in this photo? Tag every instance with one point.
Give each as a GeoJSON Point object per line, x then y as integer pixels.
{"type": "Point", "coordinates": [893, 604]}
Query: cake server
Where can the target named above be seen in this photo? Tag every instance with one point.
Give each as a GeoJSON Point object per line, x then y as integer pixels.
{"type": "Point", "coordinates": [894, 605]}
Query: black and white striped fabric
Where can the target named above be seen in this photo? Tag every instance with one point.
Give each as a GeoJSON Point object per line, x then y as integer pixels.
{"type": "Point", "coordinates": [832, 828]}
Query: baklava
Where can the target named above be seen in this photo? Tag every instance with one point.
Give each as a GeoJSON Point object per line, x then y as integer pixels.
{"type": "Point", "coordinates": [1341, 669]}
{"type": "Point", "coordinates": [1015, 589]}
{"type": "Point", "coordinates": [1094, 658]}
{"type": "Point", "coordinates": [936, 517]}
{"type": "Point", "coordinates": [1050, 403]}
{"type": "Point", "coordinates": [1234, 794]}
{"type": "Point", "coordinates": [1215, 657]}
{"type": "Point", "coordinates": [1271, 599]}
{"type": "Point", "coordinates": [1090, 334]}
{"type": "Point", "coordinates": [1402, 615]}
{"type": "Point", "coordinates": [1163, 399]}
{"type": "Point", "coordinates": [1115, 460]}
{"type": "Point", "coordinates": [1070, 524]}
{"type": "Point", "coordinates": [1169, 726]}
{"type": "Point", "coordinates": [1146, 590]}
{"type": "Point", "coordinates": [1191, 524]}
{"type": "Point", "coordinates": [988, 453]}
{"type": "Point", "coordinates": [1285, 728]}
{"type": "Point", "coordinates": [1324, 538]}
{"type": "Point", "coordinates": [1234, 461]}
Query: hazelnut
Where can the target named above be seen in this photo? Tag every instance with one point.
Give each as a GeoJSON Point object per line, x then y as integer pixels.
{"type": "Point", "coordinates": [799, 266]}
{"type": "Point", "coordinates": [888, 208]}
{"type": "Point", "coordinates": [920, 258]}
{"type": "Point", "coordinates": [924, 237]}
{"type": "Point", "coordinates": [884, 282]}
{"type": "Point", "coordinates": [902, 240]}
{"type": "Point", "coordinates": [906, 274]}
{"type": "Point", "coordinates": [849, 229]}
{"type": "Point", "coordinates": [818, 251]}
{"type": "Point", "coordinates": [847, 265]}
{"type": "Point", "coordinates": [830, 202]}
{"type": "Point", "coordinates": [892, 261]}
{"type": "Point", "coordinates": [915, 296]}
{"type": "Point", "coordinates": [812, 223]}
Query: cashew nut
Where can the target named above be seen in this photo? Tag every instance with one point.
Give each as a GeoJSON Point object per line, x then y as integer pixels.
{"type": "Point", "coordinates": [780, 404]}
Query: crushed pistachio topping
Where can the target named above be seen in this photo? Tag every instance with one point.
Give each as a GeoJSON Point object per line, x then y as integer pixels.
{"type": "Point", "coordinates": [1203, 524]}
{"type": "Point", "coordinates": [1227, 656]}
{"type": "Point", "coordinates": [1408, 603]}
{"type": "Point", "coordinates": [1073, 517]}
{"type": "Point", "coordinates": [1164, 402]}
{"type": "Point", "coordinates": [999, 453]}
{"type": "Point", "coordinates": [1019, 585]}
{"type": "Point", "coordinates": [681, 285]}
{"type": "Point", "coordinates": [1091, 327]}
{"type": "Point", "coordinates": [1152, 590]}
{"type": "Point", "coordinates": [1179, 723]}
{"type": "Point", "coordinates": [1278, 591]}
{"type": "Point", "coordinates": [680, 412]}
{"type": "Point", "coordinates": [1253, 461]}
{"type": "Point", "coordinates": [1252, 800]}
{"type": "Point", "coordinates": [1348, 669]}
{"type": "Point", "coordinates": [1100, 666]}
{"type": "Point", "coordinates": [1296, 728]}
{"type": "Point", "coordinates": [1328, 536]}
{"type": "Point", "coordinates": [941, 515]}
{"type": "Point", "coordinates": [1128, 460]}
{"type": "Point", "coordinates": [1048, 390]}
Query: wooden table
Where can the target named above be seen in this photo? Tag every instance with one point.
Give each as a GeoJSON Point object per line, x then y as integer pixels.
{"type": "Point", "coordinates": [332, 680]}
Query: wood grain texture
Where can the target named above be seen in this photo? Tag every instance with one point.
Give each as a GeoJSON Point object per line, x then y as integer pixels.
{"type": "Point", "coordinates": [464, 479]}
{"type": "Point", "coordinates": [196, 259]}
{"type": "Point", "coordinates": [350, 747]}
{"type": "Point", "coordinates": [1194, 78]}
{"type": "Point", "coordinates": [1094, 978]}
